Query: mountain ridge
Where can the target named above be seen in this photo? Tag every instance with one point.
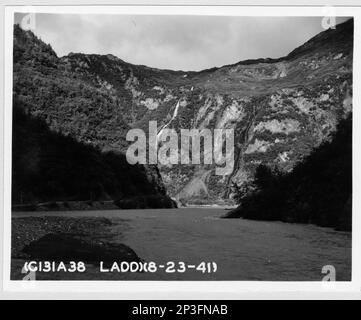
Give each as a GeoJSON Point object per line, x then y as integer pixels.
{"type": "Point", "coordinates": [280, 109]}
{"type": "Point", "coordinates": [298, 50]}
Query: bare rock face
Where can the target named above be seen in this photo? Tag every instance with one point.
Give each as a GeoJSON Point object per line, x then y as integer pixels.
{"type": "Point", "coordinates": [279, 109]}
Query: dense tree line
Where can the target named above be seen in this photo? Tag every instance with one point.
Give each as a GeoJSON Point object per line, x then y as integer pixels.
{"type": "Point", "coordinates": [48, 166]}
{"type": "Point", "coordinates": [318, 190]}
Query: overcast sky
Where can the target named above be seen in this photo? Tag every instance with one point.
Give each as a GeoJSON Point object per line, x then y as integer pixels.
{"type": "Point", "coordinates": [176, 42]}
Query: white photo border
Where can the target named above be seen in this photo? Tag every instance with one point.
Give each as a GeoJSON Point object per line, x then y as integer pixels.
{"type": "Point", "coordinates": [183, 289]}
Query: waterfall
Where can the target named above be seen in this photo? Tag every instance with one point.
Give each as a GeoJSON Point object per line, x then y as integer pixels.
{"type": "Point", "coordinates": [175, 113]}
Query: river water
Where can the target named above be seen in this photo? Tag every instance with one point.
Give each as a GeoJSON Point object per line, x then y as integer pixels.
{"type": "Point", "coordinates": [242, 249]}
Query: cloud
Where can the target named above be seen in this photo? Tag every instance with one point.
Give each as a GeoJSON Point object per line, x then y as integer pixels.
{"type": "Point", "coordinates": [176, 42]}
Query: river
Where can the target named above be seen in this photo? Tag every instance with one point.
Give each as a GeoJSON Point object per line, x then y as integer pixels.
{"type": "Point", "coordinates": [242, 249]}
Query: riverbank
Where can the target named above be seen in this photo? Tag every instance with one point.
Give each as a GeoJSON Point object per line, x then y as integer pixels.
{"type": "Point", "coordinates": [139, 202]}
{"type": "Point", "coordinates": [65, 239]}
{"type": "Point", "coordinates": [342, 224]}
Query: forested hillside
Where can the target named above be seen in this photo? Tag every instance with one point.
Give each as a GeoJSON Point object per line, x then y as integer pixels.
{"type": "Point", "coordinates": [51, 167]}
{"type": "Point", "coordinates": [318, 190]}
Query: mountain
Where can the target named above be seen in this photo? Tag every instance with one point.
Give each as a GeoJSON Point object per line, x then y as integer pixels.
{"type": "Point", "coordinates": [280, 109]}
{"type": "Point", "coordinates": [65, 137]}
{"type": "Point", "coordinates": [318, 190]}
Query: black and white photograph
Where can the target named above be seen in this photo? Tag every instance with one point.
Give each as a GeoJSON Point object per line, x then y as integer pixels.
{"type": "Point", "coordinates": [163, 147]}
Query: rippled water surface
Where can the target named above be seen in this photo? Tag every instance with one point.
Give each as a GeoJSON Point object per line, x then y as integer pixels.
{"type": "Point", "coordinates": [242, 249]}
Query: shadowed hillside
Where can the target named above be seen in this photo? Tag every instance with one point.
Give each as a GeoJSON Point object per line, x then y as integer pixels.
{"type": "Point", "coordinates": [48, 166]}
{"type": "Point", "coordinates": [318, 190]}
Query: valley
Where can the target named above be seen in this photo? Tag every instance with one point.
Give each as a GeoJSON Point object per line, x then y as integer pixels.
{"type": "Point", "coordinates": [279, 109]}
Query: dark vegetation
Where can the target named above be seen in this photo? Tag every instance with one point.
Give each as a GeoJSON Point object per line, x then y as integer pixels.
{"type": "Point", "coordinates": [48, 166]}
{"type": "Point", "coordinates": [318, 190]}
{"type": "Point", "coordinates": [49, 89]}
{"type": "Point", "coordinates": [63, 124]}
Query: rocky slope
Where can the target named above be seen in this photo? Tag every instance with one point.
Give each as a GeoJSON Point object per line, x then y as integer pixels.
{"type": "Point", "coordinates": [318, 190]}
{"type": "Point", "coordinates": [67, 138]}
{"type": "Point", "coordinates": [280, 109]}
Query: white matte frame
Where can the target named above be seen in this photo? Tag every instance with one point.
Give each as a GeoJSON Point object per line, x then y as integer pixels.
{"type": "Point", "coordinates": [180, 289]}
